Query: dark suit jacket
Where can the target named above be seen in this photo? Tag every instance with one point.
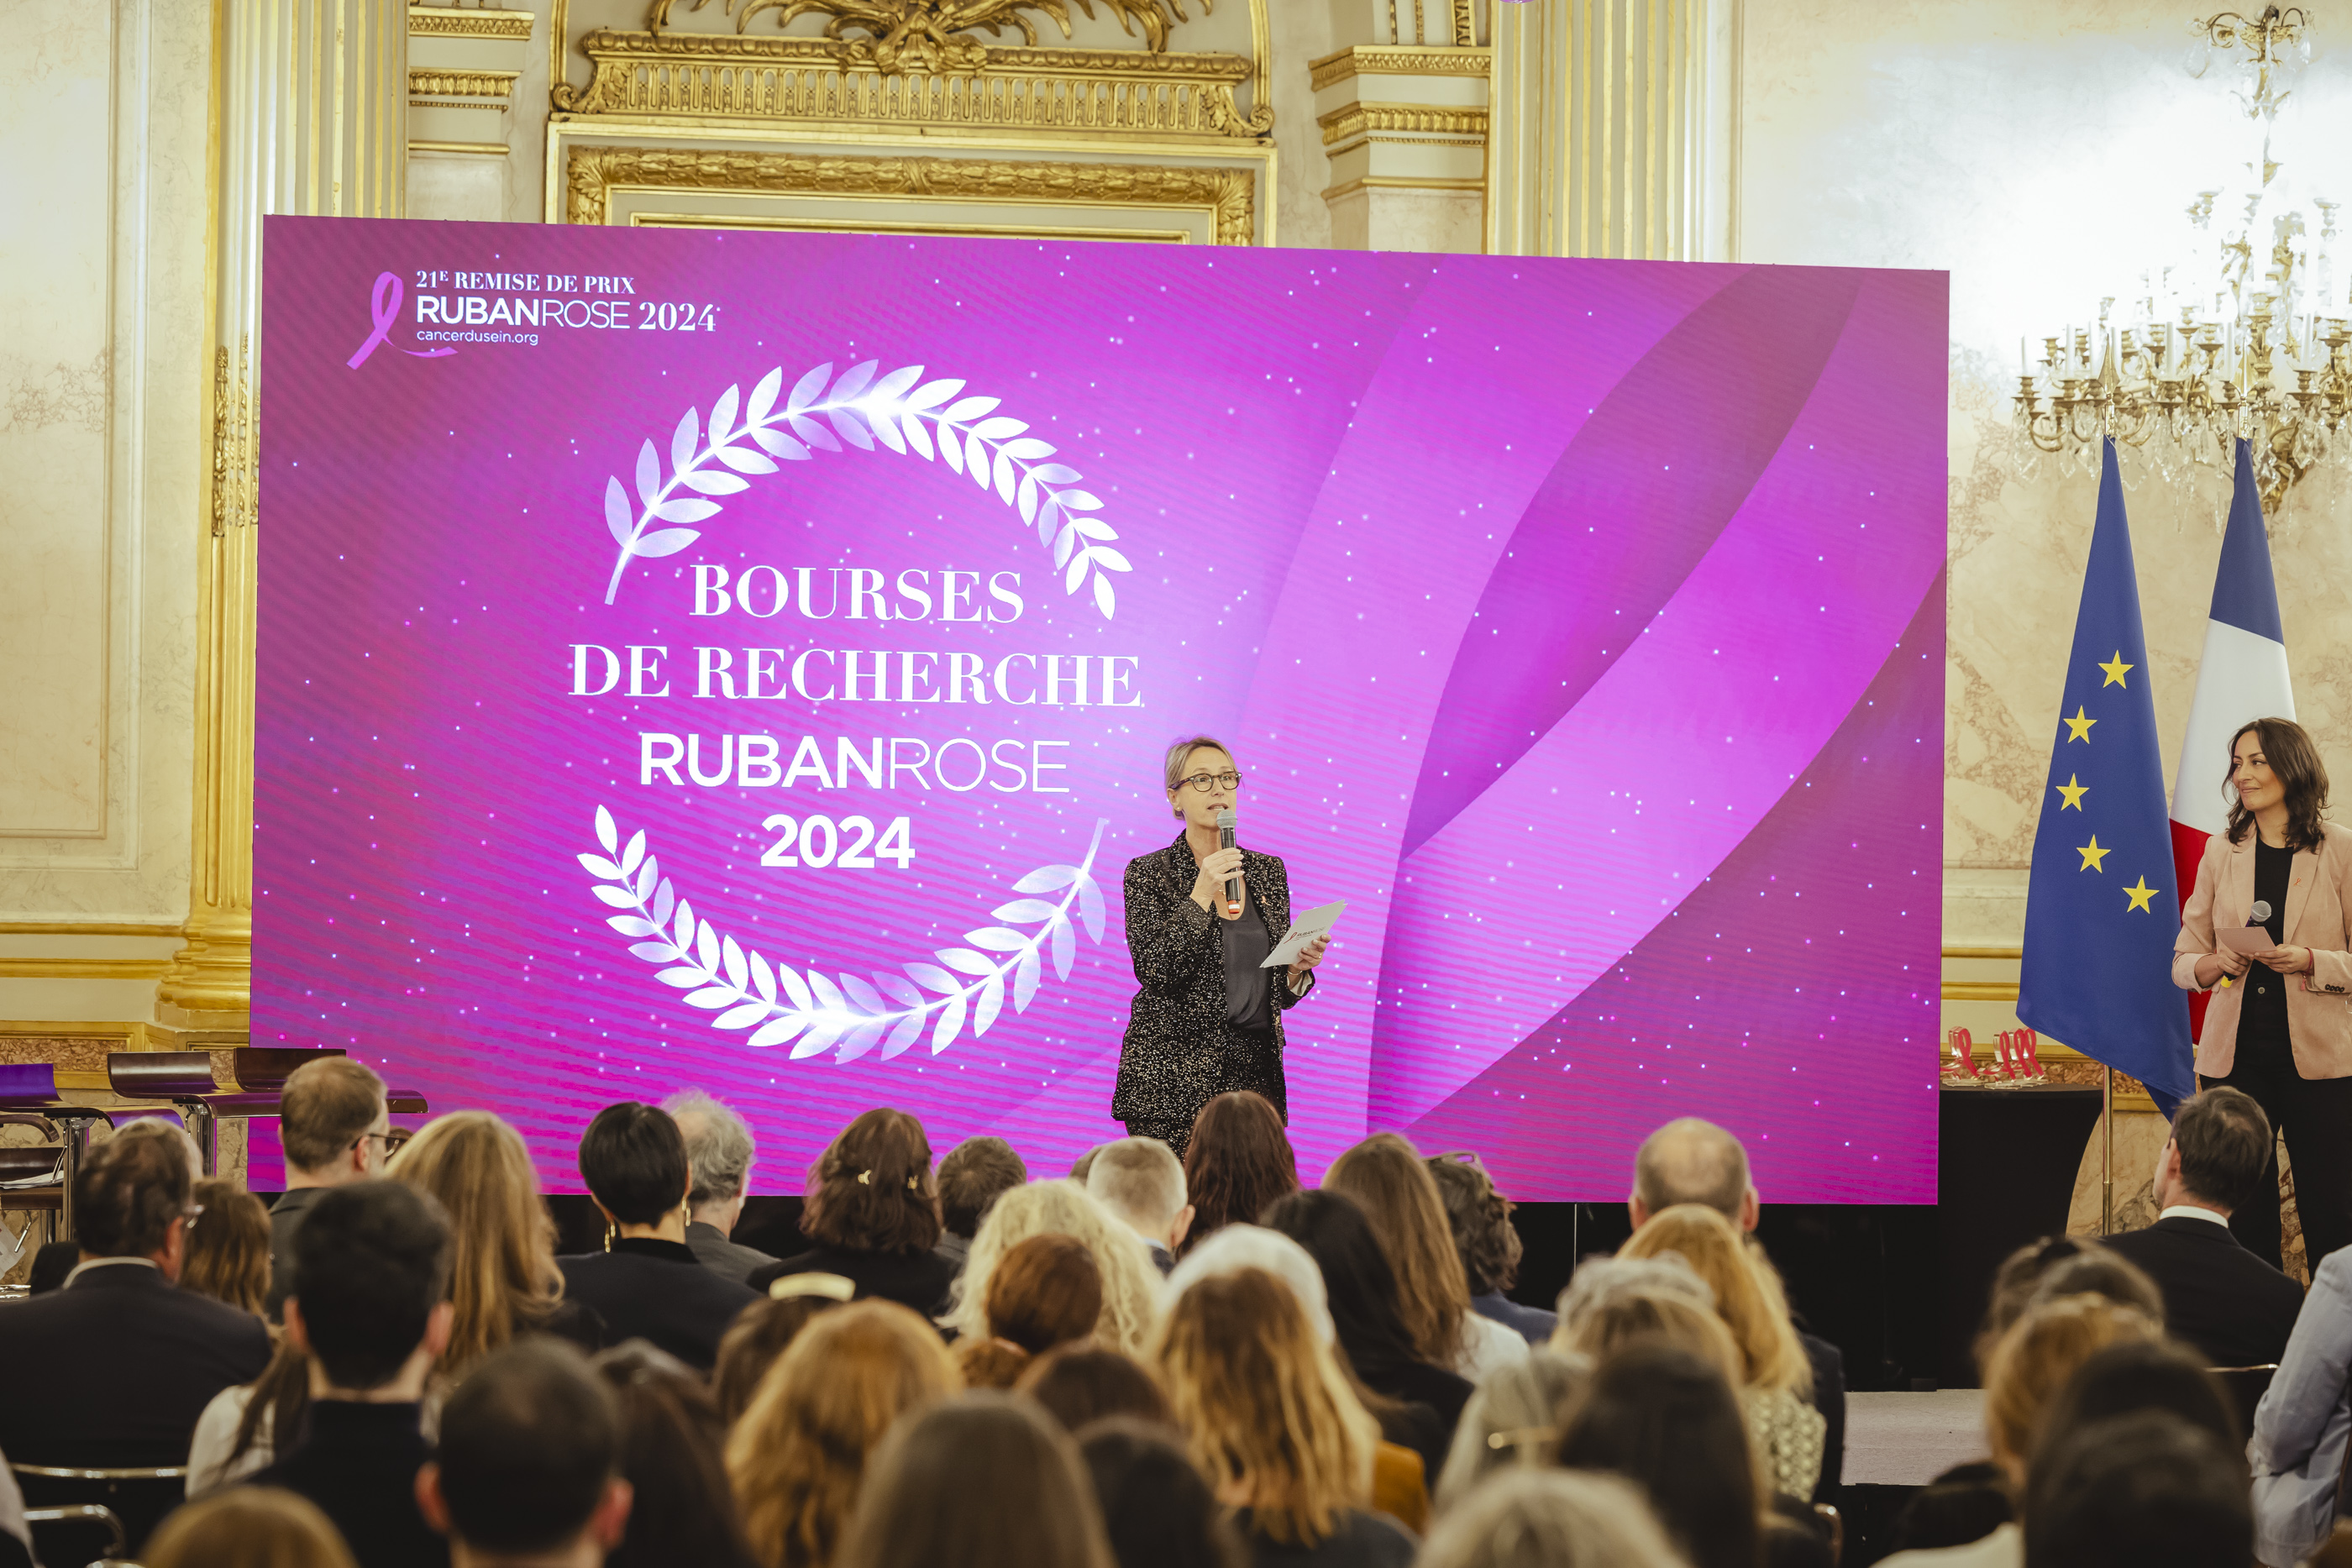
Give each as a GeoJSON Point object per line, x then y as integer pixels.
{"type": "Point", "coordinates": [114, 1369]}
{"type": "Point", "coordinates": [285, 1214]}
{"type": "Point", "coordinates": [720, 1254]}
{"type": "Point", "coordinates": [1827, 1363]}
{"type": "Point", "coordinates": [657, 1291]}
{"type": "Point", "coordinates": [915, 1280]}
{"type": "Point", "coordinates": [2234, 1308]}
{"type": "Point", "coordinates": [359, 1464]}
{"type": "Point", "coordinates": [1173, 1060]}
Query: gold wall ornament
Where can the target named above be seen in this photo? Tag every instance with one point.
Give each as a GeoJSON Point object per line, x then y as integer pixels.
{"type": "Point", "coordinates": [1358, 121]}
{"type": "Point", "coordinates": [450, 22]}
{"type": "Point", "coordinates": [461, 84]}
{"type": "Point", "coordinates": [925, 33]}
{"type": "Point", "coordinates": [826, 80]}
{"type": "Point", "coordinates": [237, 439]}
{"type": "Point", "coordinates": [594, 172]}
{"type": "Point", "coordinates": [1397, 59]}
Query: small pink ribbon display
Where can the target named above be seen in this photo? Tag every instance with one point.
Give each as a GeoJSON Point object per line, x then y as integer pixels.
{"type": "Point", "coordinates": [384, 306]}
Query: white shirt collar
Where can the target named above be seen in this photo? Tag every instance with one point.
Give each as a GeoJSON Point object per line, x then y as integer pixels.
{"type": "Point", "coordinates": [2195, 1211]}
{"type": "Point", "coordinates": [81, 1269]}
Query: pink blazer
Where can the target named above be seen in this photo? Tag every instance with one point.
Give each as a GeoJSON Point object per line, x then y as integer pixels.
{"type": "Point", "coordinates": [2318, 904]}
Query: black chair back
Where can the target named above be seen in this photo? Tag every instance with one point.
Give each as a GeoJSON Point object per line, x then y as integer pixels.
{"type": "Point", "coordinates": [83, 1534]}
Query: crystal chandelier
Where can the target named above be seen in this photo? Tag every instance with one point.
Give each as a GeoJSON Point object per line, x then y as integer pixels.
{"type": "Point", "coordinates": [2244, 334]}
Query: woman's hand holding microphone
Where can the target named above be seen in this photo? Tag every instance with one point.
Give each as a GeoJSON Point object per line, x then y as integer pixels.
{"type": "Point", "coordinates": [1215, 868]}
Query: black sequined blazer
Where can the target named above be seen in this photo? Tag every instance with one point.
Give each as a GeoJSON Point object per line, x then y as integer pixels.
{"type": "Point", "coordinates": [1177, 1053]}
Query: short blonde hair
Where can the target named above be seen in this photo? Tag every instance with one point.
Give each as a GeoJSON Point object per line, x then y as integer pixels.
{"type": "Point", "coordinates": [248, 1527]}
{"type": "Point", "coordinates": [1747, 1296]}
{"type": "Point", "coordinates": [1265, 1406]}
{"type": "Point", "coordinates": [1138, 1180]}
{"type": "Point", "coordinates": [1641, 1316]}
{"type": "Point", "coordinates": [1130, 1285]}
{"type": "Point", "coordinates": [2033, 1360]}
{"type": "Point", "coordinates": [1172, 768]}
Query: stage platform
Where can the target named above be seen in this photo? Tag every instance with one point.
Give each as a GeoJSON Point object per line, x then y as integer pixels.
{"type": "Point", "coordinates": [1909, 1439]}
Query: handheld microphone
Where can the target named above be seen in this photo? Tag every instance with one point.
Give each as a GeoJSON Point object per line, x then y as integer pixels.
{"type": "Point", "coordinates": [1226, 825]}
{"type": "Point", "coordinates": [2257, 916]}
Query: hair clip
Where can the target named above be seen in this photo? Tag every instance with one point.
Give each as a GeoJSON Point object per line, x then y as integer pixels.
{"type": "Point", "coordinates": [913, 1185]}
{"type": "Point", "coordinates": [865, 1179]}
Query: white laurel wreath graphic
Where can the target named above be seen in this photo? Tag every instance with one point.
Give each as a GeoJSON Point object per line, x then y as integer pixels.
{"type": "Point", "coordinates": [861, 409]}
{"type": "Point", "coordinates": [814, 1012]}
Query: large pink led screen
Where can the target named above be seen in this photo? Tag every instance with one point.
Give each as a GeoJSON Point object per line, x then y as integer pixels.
{"type": "Point", "coordinates": [744, 660]}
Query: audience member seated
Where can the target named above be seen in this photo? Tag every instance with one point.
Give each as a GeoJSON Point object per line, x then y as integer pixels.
{"type": "Point", "coordinates": [973, 1175]}
{"type": "Point", "coordinates": [1550, 1518]}
{"type": "Point", "coordinates": [719, 1150]}
{"type": "Point", "coordinates": [1672, 1424]}
{"type": "Point", "coordinates": [2014, 1284]}
{"type": "Point", "coordinates": [251, 1527]}
{"type": "Point", "coordinates": [1602, 1278]}
{"type": "Point", "coordinates": [1045, 1291]}
{"type": "Point", "coordinates": [1385, 1175]}
{"type": "Point", "coordinates": [228, 1247]}
{"type": "Point", "coordinates": [503, 1278]}
{"type": "Point", "coordinates": [113, 1369]}
{"type": "Point", "coordinates": [237, 1433]}
{"type": "Point", "coordinates": [1362, 1292]}
{"type": "Point", "coordinates": [1155, 1507]}
{"type": "Point", "coordinates": [1695, 1161]}
{"type": "Point", "coordinates": [2147, 1491]}
{"type": "Point", "coordinates": [2298, 1449]}
{"type": "Point", "coordinates": [1273, 1422]}
{"type": "Point", "coordinates": [1964, 1504]}
{"type": "Point", "coordinates": [2096, 1272]}
{"type": "Point", "coordinates": [1625, 1320]}
{"type": "Point", "coordinates": [369, 1307]}
{"type": "Point", "coordinates": [648, 1283]}
{"type": "Point", "coordinates": [1084, 1166]}
{"type": "Point", "coordinates": [1139, 1181]}
{"type": "Point", "coordinates": [1512, 1421]}
{"type": "Point", "coordinates": [1488, 1244]}
{"type": "Point", "coordinates": [1130, 1286]}
{"type": "Point", "coordinates": [334, 1127]}
{"type": "Point", "coordinates": [1236, 1164]}
{"type": "Point", "coordinates": [15, 1533]}
{"type": "Point", "coordinates": [2232, 1305]}
{"type": "Point", "coordinates": [1775, 1377]}
{"type": "Point", "coordinates": [759, 1336]}
{"type": "Point", "coordinates": [2134, 1375]}
{"type": "Point", "coordinates": [2028, 1366]}
{"type": "Point", "coordinates": [682, 1511]}
{"type": "Point", "coordinates": [984, 1480]}
{"type": "Point", "coordinates": [527, 1474]}
{"type": "Point", "coordinates": [797, 1456]}
{"type": "Point", "coordinates": [873, 1215]}
{"type": "Point", "coordinates": [1080, 1385]}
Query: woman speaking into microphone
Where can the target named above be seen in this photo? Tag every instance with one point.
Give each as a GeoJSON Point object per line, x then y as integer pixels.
{"type": "Point", "coordinates": [2279, 1023]}
{"type": "Point", "coordinates": [1201, 919]}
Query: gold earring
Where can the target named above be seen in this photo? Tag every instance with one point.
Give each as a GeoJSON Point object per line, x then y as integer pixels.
{"type": "Point", "coordinates": [608, 1235]}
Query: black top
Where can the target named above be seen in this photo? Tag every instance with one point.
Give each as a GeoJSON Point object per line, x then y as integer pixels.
{"type": "Point", "coordinates": [1362, 1541]}
{"type": "Point", "coordinates": [917, 1279]}
{"type": "Point", "coordinates": [113, 1370]}
{"type": "Point", "coordinates": [1249, 985]}
{"type": "Point", "coordinates": [1419, 1382]}
{"type": "Point", "coordinates": [657, 1291]}
{"type": "Point", "coordinates": [2234, 1308]}
{"type": "Point", "coordinates": [284, 1215]}
{"type": "Point", "coordinates": [2261, 1014]}
{"type": "Point", "coordinates": [359, 1464]}
{"type": "Point", "coordinates": [1827, 1363]}
{"type": "Point", "coordinates": [720, 1252]}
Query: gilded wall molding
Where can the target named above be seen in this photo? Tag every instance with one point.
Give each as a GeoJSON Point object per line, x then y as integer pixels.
{"type": "Point", "coordinates": [595, 174]}
{"type": "Point", "coordinates": [1397, 59]}
{"type": "Point", "coordinates": [236, 441]}
{"type": "Point", "coordinates": [495, 85]}
{"type": "Point", "coordinates": [1357, 121]}
{"type": "Point", "coordinates": [449, 22]}
{"type": "Point", "coordinates": [802, 82]}
{"type": "Point", "coordinates": [931, 35]}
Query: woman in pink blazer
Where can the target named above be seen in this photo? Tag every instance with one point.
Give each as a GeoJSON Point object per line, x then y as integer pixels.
{"type": "Point", "coordinates": [2279, 1023]}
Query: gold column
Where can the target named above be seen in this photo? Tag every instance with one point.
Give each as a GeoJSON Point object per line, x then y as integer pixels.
{"type": "Point", "coordinates": [312, 102]}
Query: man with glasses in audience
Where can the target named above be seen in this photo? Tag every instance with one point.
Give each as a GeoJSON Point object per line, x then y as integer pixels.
{"type": "Point", "coordinates": [334, 1127]}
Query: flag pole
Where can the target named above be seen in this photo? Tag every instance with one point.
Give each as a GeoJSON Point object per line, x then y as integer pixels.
{"type": "Point", "coordinates": [2106, 1150]}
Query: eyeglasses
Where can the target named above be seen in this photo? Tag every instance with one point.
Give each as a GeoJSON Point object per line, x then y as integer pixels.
{"type": "Point", "coordinates": [367, 1137]}
{"type": "Point", "coordinates": [190, 1216]}
{"type": "Point", "coordinates": [1204, 782]}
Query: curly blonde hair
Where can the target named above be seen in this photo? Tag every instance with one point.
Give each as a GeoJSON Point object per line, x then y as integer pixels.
{"type": "Point", "coordinates": [1130, 1285]}
{"type": "Point", "coordinates": [1747, 1292]}
{"type": "Point", "coordinates": [1268, 1412]}
{"type": "Point", "coordinates": [799, 1453]}
{"type": "Point", "coordinates": [2033, 1360]}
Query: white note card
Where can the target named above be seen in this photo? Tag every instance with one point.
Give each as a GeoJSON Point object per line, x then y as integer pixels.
{"type": "Point", "coordinates": [1305, 929]}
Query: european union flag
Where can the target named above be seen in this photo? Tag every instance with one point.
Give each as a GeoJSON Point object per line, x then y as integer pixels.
{"type": "Point", "coordinates": [2102, 911]}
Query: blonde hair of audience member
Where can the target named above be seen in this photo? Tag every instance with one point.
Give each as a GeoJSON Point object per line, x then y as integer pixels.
{"type": "Point", "coordinates": [1142, 1185]}
{"type": "Point", "coordinates": [1749, 1305]}
{"type": "Point", "coordinates": [1267, 1410]}
{"type": "Point", "coordinates": [1385, 1175]}
{"type": "Point", "coordinates": [1130, 1285]}
{"type": "Point", "coordinates": [2033, 1360]}
{"type": "Point", "coordinates": [503, 1280]}
{"type": "Point", "coordinates": [228, 1252]}
{"type": "Point", "coordinates": [1545, 1517]}
{"type": "Point", "coordinates": [247, 1527]}
{"type": "Point", "coordinates": [759, 1334]}
{"type": "Point", "coordinates": [1639, 1317]}
{"type": "Point", "coordinates": [1601, 1280]}
{"type": "Point", "coordinates": [1511, 1421]}
{"type": "Point", "coordinates": [798, 1454]}
{"type": "Point", "coordinates": [985, 1479]}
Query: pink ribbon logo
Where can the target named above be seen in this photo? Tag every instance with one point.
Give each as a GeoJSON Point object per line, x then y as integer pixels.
{"type": "Point", "coordinates": [386, 307]}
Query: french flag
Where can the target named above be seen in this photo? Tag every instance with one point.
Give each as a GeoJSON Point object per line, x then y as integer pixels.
{"type": "Point", "coordinates": [2241, 677]}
